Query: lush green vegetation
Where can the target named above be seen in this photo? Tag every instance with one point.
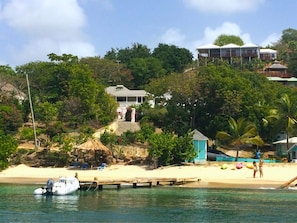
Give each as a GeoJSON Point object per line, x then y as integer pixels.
{"type": "Point", "coordinates": [68, 95]}
{"type": "Point", "coordinates": [8, 146]}
{"type": "Point", "coordinates": [241, 132]}
{"type": "Point", "coordinates": [228, 39]}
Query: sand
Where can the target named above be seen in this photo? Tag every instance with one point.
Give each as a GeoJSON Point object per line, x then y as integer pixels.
{"type": "Point", "coordinates": [207, 175]}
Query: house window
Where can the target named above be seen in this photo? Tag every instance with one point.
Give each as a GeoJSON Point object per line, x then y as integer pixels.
{"type": "Point", "coordinates": [121, 99]}
{"type": "Point", "coordinates": [140, 100]}
{"type": "Point", "coordinates": [119, 88]}
{"type": "Point", "coordinates": [132, 99]}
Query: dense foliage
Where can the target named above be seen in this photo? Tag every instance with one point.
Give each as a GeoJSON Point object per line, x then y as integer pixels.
{"type": "Point", "coordinates": [287, 49]}
{"type": "Point", "coordinates": [241, 132]}
{"type": "Point", "coordinates": [224, 39]}
{"type": "Point", "coordinates": [207, 98]}
{"type": "Point", "coordinates": [167, 149]}
{"type": "Point", "coordinates": [145, 66]}
{"type": "Point", "coordinates": [8, 146]}
{"type": "Point", "coordinates": [64, 90]}
{"type": "Point", "coordinates": [68, 95]}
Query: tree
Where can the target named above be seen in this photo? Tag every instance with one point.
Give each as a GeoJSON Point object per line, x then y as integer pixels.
{"type": "Point", "coordinates": [109, 71]}
{"type": "Point", "coordinates": [42, 83]}
{"type": "Point", "coordinates": [241, 132]}
{"type": "Point", "coordinates": [286, 49]}
{"type": "Point", "coordinates": [168, 149]}
{"type": "Point", "coordinates": [289, 35]}
{"type": "Point", "coordinates": [228, 92]}
{"type": "Point", "coordinates": [227, 39]}
{"type": "Point", "coordinates": [204, 100]}
{"type": "Point", "coordinates": [8, 145]}
{"type": "Point", "coordinates": [127, 54]}
{"type": "Point", "coordinates": [11, 117]}
{"type": "Point", "coordinates": [68, 86]}
{"type": "Point", "coordinates": [284, 117]}
{"type": "Point", "coordinates": [145, 69]}
{"type": "Point", "coordinates": [184, 149]}
{"type": "Point", "coordinates": [46, 112]}
{"type": "Point", "coordinates": [173, 59]}
{"type": "Point", "coordinates": [182, 105]}
{"type": "Point", "coordinates": [6, 70]}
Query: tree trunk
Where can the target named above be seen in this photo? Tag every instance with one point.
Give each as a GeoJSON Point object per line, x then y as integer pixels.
{"type": "Point", "coordinates": [287, 140]}
{"type": "Point", "coordinates": [237, 151]}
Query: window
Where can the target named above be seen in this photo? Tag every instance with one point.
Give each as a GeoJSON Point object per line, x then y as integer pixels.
{"type": "Point", "coordinates": [121, 99]}
{"type": "Point", "coordinates": [132, 99]}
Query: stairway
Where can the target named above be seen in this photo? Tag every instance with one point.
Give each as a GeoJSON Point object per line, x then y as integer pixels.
{"type": "Point", "coordinates": [124, 126]}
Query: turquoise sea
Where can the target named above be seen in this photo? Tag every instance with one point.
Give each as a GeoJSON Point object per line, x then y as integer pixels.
{"type": "Point", "coordinates": [158, 204]}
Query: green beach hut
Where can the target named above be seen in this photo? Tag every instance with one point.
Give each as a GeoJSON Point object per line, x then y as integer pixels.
{"type": "Point", "coordinates": [200, 142]}
{"type": "Point", "coordinates": [281, 148]}
{"type": "Point", "coordinates": [292, 153]}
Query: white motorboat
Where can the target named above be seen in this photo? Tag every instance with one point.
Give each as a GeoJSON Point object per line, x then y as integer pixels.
{"type": "Point", "coordinates": [63, 186]}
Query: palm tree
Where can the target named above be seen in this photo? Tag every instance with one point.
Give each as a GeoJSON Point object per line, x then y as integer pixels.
{"type": "Point", "coordinates": [241, 132]}
{"type": "Point", "coordinates": [285, 115]}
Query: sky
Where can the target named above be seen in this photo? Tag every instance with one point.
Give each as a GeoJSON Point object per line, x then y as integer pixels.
{"type": "Point", "coordinates": [32, 29]}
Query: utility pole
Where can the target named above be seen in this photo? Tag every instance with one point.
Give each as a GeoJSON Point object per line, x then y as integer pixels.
{"type": "Point", "coordinates": [32, 112]}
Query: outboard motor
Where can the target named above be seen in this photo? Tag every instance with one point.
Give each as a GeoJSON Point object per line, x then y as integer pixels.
{"type": "Point", "coordinates": [49, 186]}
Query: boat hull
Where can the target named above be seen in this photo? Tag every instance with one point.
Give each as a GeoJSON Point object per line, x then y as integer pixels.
{"type": "Point", "coordinates": [63, 186]}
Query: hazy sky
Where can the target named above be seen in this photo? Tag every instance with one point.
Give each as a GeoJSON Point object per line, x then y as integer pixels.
{"type": "Point", "coordinates": [31, 29]}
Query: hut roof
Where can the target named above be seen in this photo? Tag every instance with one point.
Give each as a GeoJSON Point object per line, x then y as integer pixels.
{"type": "Point", "coordinates": [277, 66]}
{"type": "Point", "coordinates": [92, 144]}
{"type": "Point", "coordinates": [291, 140]}
{"type": "Point", "coordinates": [198, 135]}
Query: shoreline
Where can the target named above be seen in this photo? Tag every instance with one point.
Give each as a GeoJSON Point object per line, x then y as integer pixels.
{"type": "Point", "coordinates": [210, 175]}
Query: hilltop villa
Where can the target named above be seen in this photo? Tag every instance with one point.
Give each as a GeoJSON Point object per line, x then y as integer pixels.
{"type": "Point", "coordinates": [246, 52]}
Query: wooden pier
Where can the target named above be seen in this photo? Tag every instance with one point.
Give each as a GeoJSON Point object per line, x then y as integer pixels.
{"type": "Point", "coordinates": [287, 184]}
{"type": "Point", "coordinates": [134, 183]}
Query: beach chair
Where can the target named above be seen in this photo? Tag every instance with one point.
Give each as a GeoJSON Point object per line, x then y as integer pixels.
{"type": "Point", "coordinates": [84, 166]}
{"type": "Point", "coordinates": [74, 166]}
{"type": "Point", "coordinates": [102, 166]}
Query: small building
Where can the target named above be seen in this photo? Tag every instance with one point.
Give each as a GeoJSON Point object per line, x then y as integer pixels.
{"type": "Point", "coordinates": [281, 148]}
{"type": "Point", "coordinates": [268, 54]}
{"type": "Point", "coordinates": [276, 70]}
{"type": "Point", "coordinates": [200, 146]}
{"type": "Point", "coordinates": [292, 153]}
{"type": "Point", "coordinates": [289, 81]}
{"type": "Point", "coordinates": [126, 97]}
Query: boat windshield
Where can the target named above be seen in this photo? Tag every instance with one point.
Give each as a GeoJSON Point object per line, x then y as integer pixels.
{"type": "Point", "coordinates": [62, 180]}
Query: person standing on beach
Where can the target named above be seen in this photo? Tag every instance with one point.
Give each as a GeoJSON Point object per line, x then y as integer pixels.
{"type": "Point", "coordinates": [261, 167]}
{"type": "Point", "coordinates": [255, 168]}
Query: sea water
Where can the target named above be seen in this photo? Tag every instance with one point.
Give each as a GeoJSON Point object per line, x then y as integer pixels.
{"type": "Point", "coordinates": [157, 204]}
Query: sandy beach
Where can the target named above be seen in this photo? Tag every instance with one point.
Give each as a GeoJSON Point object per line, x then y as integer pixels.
{"type": "Point", "coordinates": [209, 174]}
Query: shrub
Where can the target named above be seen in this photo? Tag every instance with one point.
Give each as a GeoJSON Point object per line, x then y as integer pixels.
{"type": "Point", "coordinates": [108, 138]}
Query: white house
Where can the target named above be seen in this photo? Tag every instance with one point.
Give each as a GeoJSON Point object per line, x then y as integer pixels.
{"type": "Point", "coordinates": [246, 52]}
{"type": "Point", "coordinates": [268, 54]}
{"type": "Point", "coordinates": [126, 97]}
